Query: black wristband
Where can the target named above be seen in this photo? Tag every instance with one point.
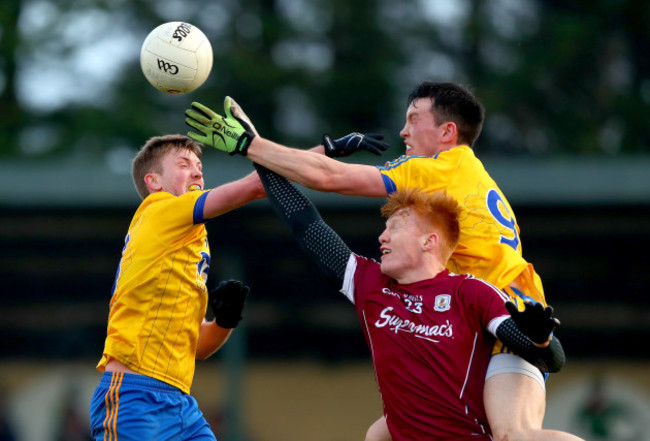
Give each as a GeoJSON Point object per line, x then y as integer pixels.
{"type": "Point", "coordinates": [243, 143]}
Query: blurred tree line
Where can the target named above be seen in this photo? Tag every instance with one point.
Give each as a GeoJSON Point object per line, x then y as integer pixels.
{"type": "Point", "coordinates": [555, 76]}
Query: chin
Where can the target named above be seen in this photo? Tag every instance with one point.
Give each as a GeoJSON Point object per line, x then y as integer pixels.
{"type": "Point", "coordinates": [388, 271]}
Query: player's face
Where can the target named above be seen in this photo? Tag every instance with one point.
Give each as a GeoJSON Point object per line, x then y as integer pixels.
{"type": "Point", "coordinates": [421, 134]}
{"type": "Point", "coordinates": [401, 246]}
{"type": "Point", "coordinates": [181, 170]}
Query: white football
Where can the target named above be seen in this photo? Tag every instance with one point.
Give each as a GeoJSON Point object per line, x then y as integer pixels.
{"type": "Point", "coordinates": [176, 57]}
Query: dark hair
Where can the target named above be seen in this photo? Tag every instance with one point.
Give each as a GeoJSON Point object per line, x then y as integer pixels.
{"type": "Point", "coordinates": [456, 103]}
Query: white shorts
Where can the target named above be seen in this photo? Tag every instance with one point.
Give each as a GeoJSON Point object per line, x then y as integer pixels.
{"type": "Point", "coordinates": [512, 364]}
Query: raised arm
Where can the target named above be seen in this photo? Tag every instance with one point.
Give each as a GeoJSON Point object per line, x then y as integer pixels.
{"type": "Point", "coordinates": [233, 195]}
{"type": "Point", "coordinates": [317, 239]}
{"type": "Point", "coordinates": [233, 134]}
{"type": "Point", "coordinates": [316, 171]}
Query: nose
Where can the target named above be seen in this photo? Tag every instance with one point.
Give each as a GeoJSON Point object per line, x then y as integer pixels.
{"type": "Point", "coordinates": [403, 132]}
{"type": "Point", "coordinates": [383, 237]}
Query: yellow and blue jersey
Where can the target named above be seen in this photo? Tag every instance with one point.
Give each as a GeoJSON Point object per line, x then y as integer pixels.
{"type": "Point", "coordinates": [490, 246]}
{"type": "Point", "coordinates": [159, 297]}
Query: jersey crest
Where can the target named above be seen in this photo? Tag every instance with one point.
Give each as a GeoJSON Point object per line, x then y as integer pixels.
{"type": "Point", "coordinates": [442, 303]}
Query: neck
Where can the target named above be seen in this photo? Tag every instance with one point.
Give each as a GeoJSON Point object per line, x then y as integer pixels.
{"type": "Point", "coordinates": [425, 273]}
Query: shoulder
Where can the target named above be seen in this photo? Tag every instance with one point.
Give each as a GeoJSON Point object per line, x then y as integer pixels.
{"type": "Point", "coordinates": [367, 272]}
{"type": "Point", "coordinates": [404, 160]}
{"type": "Point", "coordinates": [482, 288]}
{"type": "Point", "coordinates": [366, 264]}
{"type": "Point", "coordinates": [170, 209]}
{"type": "Point", "coordinates": [475, 286]}
{"type": "Point", "coordinates": [455, 154]}
{"type": "Point", "coordinates": [153, 201]}
{"type": "Point", "coordinates": [460, 153]}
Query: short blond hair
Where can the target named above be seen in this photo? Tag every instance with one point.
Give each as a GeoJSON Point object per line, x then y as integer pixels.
{"type": "Point", "coordinates": [440, 211]}
{"type": "Point", "coordinates": [149, 158]}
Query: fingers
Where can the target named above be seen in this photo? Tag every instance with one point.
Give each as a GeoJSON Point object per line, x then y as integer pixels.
{"type": "Point", "coordinates": [197, 117]}
{"type": "Point", "coordinates": [195, 124]}
{"type": "Point", "coordinates": [233, 108]}
{"type": "Point", "coordinates": [206, 111]}
{"type": "Point", "coordinates": [512, 308]}
{"type": "Point", "coordinates": [375, 140]}
{"type": "Point", "coordinates": [233, 286]}
{"type": "Point", "coordinates": [375, 148]}
{"type": "Point", "coordinates": [196, 137]}
{"type": "Point", "coordinates": [227, 106]}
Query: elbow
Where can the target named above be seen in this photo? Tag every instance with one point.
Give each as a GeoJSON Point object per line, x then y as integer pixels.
{"type": "Point", "coordinates": [206, 353]}
{"type": "Point", "coordinates": [559, 358]}
{"type": "Point", "coordinates": [203, 353]}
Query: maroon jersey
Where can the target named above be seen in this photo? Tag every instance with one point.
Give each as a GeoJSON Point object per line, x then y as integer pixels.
{"type": "Point", "coordinates": [430, 343]}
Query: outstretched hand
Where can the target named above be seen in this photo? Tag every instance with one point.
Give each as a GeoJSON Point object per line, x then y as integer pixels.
{"type": "Point", "coordinates": [240, 115]}
{"type": "Point", "coordinates": [227, 302]}
{"type": "Point", "coordinates": [536, 321]}
{"type": "Point", "coordinates": [231, 134]}
{"type": "Point", "coordinates": [345, 146]}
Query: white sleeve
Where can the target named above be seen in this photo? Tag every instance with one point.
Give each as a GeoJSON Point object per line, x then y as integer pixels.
{"type": "Point", "coordinates": [494, 324]}
{"type": "Point", "coordinates": [348, 281]}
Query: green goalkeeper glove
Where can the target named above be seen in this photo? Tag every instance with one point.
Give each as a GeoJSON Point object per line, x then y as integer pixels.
{"type": "Point", "coordinates": [238, 112]}
{"type": "Point", "coordinates": [229, 134]}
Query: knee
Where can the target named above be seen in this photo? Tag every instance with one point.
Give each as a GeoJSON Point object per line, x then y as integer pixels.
{"type": "Point", "coordinates": [372, 435]}
{"type": "Point", "coordinates": [378, 431]}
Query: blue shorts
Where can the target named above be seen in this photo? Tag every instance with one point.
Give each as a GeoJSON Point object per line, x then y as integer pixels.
{"type": "Point", "coordinates": [133, 407]}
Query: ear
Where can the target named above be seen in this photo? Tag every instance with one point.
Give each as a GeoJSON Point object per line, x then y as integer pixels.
{"type": "Point", "coordinates": [450, 132]}
{"type": "Point", "coordinates": [153, 183]}
{"type": "Point", "coordinates": [430, 241]}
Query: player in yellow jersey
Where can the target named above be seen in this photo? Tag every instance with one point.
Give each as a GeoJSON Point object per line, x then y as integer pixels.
{"type": "Point", "coordinates": [443, 120]}
{"type": "Point", "coordinates": [156, 323]}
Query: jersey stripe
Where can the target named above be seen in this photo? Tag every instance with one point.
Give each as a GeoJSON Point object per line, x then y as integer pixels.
{"type": "Point", "coordinates": [112, 401]}
{"type": "Point", "coordinates": [469, 366]}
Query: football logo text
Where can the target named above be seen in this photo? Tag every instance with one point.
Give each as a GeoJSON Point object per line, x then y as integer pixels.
{"type": "Point", "coordinates": [182, 31]}
{"type": "Point", "coordinates": [167, 67]}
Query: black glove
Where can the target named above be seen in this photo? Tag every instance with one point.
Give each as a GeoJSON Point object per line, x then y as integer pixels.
{"type": "Point", "coordinates": [227, 302]}
{"type": "Point", "coordinates": [353, 142]}
{"type": "Point", "coordinates": [536, 321]}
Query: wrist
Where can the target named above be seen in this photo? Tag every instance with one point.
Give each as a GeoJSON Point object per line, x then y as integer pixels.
{"type": "Point", "coordinates": [243, 143]}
